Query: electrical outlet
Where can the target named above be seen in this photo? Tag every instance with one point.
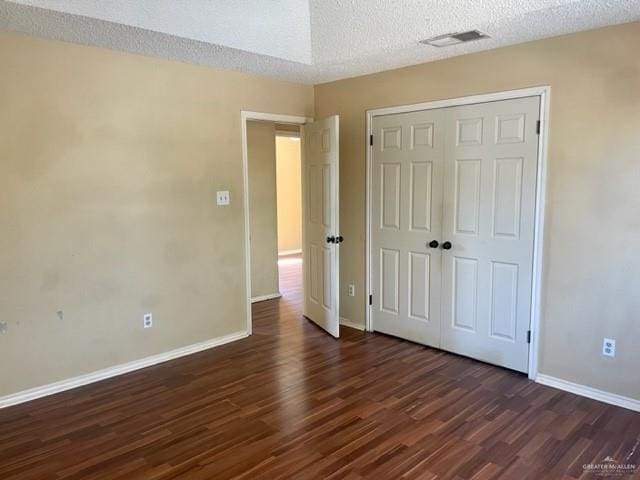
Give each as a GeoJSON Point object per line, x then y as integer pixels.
{"type": "Point", "coordinates": [4, 327]}
{"type": "Point", "coordinates": [60, 315]}
{"type": "Point", "coordinates": [609, 347]}
{"type": "Point", "coordinates": [223, 197]}
{"type": "Point", "coordinates": [147, 320]}
{"type": "Point", "coordinates": [351, 290]}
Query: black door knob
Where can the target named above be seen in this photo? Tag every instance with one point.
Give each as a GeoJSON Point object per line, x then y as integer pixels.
{"type": "Point", "coordinates": [434, 244]}
{"type": "Point", "coordinates": [331, 239]}
{"type": "Point", "coordinates": [447, 245]}
{"type": "Point", "coordinates": [339, 239]}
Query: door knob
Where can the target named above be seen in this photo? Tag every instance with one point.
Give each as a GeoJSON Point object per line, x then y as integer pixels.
{"type": "Point", "coordinates": [331, 239]}
{"type": "Point", "coordinates": [433, 244]}
{"type": "Point", "coordinates": [447, 245]}
{"type": "Point", "coordinates": [339, 239]}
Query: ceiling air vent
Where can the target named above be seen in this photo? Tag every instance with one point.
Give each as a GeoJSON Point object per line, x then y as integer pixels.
{"type": "Point", "coordinates": [455, 38]}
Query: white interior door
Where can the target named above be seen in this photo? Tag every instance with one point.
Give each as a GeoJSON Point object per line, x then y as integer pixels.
{"type": "Point", "coordinates": [489, 210]}
{"type": "Point", "coordinates": [463, 178]}
{"type": "Point", "coordinates": [407, 216]}
{"type": "Point", "coordinates": [321, 237]}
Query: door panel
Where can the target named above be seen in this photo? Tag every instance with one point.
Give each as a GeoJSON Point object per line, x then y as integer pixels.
{"type": "Point", "coordinates": [407, 214]}
{"type": "Point", "coordinates": [419, 273]}
{"type": "Point", "coordinates": [390, 199]}
{"type": "Point", "coordinates": [311, 264]}
{"type": "Point", "coordinates": [504, 300]}
{"type": "Point", "coordinates": [320, 219]}
{"type": "Point", "coordinates": [489, 207]}
{"type": "Point", "coordinates": [467, 196]}
{"type": "Point", "coordinates": [465, 293]}
{"type": "Point", "coordinates": [390, 280]}
{"type": "Point", "coordinates": [420, 196]}
{"type": "Point", "coordinates": [507, 194]}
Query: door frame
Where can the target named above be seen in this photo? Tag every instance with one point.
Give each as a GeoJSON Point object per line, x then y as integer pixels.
{"type": "Point", "coordinates": [245, 116]}
{"type": "Point", "coordinates": [544, 92]}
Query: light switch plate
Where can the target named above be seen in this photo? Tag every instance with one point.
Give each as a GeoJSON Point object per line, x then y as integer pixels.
{"type": "Point", "coordinates": [223, 197]}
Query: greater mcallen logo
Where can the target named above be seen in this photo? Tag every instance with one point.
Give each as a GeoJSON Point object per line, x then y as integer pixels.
{"type": "Point", "coordinates": [610, 467]}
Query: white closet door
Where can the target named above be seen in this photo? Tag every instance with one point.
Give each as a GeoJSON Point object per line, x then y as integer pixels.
{"type": "Point", "coordinates": [407, 165]}
{"type": "Point", "coordinates": [489, 209]}
{"type": "Point", "coordinates": [320, 161]}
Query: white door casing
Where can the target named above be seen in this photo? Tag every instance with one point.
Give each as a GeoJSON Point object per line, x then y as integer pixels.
{"type": "Point", "coordinates": [244, 117]}
{"type": "Point", "coordinates": [489, 213]}
{"type": "Point", "coordinates": [320, 166]}
{"type": "Point", "coordinates": [483, 165]}
{"type": "Point", "coordinates": [406, 216]}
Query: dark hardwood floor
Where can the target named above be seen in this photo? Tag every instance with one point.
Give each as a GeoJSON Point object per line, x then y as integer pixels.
{"type": "Point", "coordinates": [291, 402]}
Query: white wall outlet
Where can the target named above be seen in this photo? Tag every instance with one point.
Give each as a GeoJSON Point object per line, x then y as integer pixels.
{"type": "Point", "coordinates": [223, 197]}
{"type": "Point", "coordinates": [609, 347]}
{"type": "Point", "coordinates": [351, 291]}
{"type": "Point", "coordinates": [4, 327]}
{"type": "Point", "coordinates": [147, 320]}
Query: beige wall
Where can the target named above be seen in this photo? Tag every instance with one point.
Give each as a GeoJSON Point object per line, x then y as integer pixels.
{"type": "Point", "coordinates": [109, 164]}
{"type": "Point", "coordinates": [289, 181]}
{"type": "Point", "coordinates": [261, 156]}
{"type": "Point", "coordinates": [591, 281]}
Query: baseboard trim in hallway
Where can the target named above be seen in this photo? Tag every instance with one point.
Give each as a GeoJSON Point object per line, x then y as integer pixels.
{"type": "Point", "coordinates": [262, 298]}
{"type": "Point", "coordinates": [285, 253]}
{"type": "Point", "coordinates": [344, 322]}
{"type": "Point", "coordinates": [68, 384]}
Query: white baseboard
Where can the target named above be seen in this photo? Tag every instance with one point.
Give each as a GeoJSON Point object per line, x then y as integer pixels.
{"type": "Point", "coordinates": [262, 298]}
{"type": "Point", "coordinates": [284, 253]}
{"type": "Point", "coordinates": [583, 390]}
{"type": "Point", "coordinates": [348, 323]}
{"type": "Point", "coordinates": [61, 386]}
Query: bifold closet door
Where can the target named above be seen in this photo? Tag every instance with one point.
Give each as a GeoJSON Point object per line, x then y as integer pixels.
{"type": "Point", "coordinates": [407, 179]}
{"type": "Point", "coordinates": [489, 209]}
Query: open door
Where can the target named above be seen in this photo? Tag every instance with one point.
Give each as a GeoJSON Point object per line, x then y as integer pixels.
{"type": "Point", "coordinates": [321, 237]}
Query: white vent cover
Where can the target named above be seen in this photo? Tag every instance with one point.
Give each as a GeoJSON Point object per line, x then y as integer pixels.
{"type": "Point", "coordinates": [455, 38]}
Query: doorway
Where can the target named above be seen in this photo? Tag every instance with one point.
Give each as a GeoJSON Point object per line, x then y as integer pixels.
{"type": "Point", "coordinates": [320, 238]}
{"type": "Point", "coordinates": [289, 190]}
{"type": "Point", "coordinates": [263, 214]}
{"type": "Point", "coordinates": [289, 210]}
{"type": "Point", "coordinates": [454, 225]}
{"type": "Point", "coordinates": [275, 185]}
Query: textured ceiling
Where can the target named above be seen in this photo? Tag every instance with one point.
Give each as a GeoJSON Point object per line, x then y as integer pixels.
{"type": "Point", "coordinates": [305, 41]}
{"type": "Point", "coordinates": [278, 28]}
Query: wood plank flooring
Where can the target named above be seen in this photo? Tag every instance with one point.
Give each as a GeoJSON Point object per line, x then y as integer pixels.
{"type": "Point", "coordinates": [291, 402]}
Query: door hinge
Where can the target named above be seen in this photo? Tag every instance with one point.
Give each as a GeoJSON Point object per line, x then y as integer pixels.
{"type": "Point", "coordinates": [371, 140]}
{"type": "Point", "coordinates": [528, 336]}
{"type": "Point", "coordinates": [538, 127]}
{"type": "Point", "coordinates": [370, 299]}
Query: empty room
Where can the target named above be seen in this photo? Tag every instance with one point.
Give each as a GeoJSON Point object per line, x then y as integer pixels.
{"type": "Point", "coordinates": [319, 239]}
